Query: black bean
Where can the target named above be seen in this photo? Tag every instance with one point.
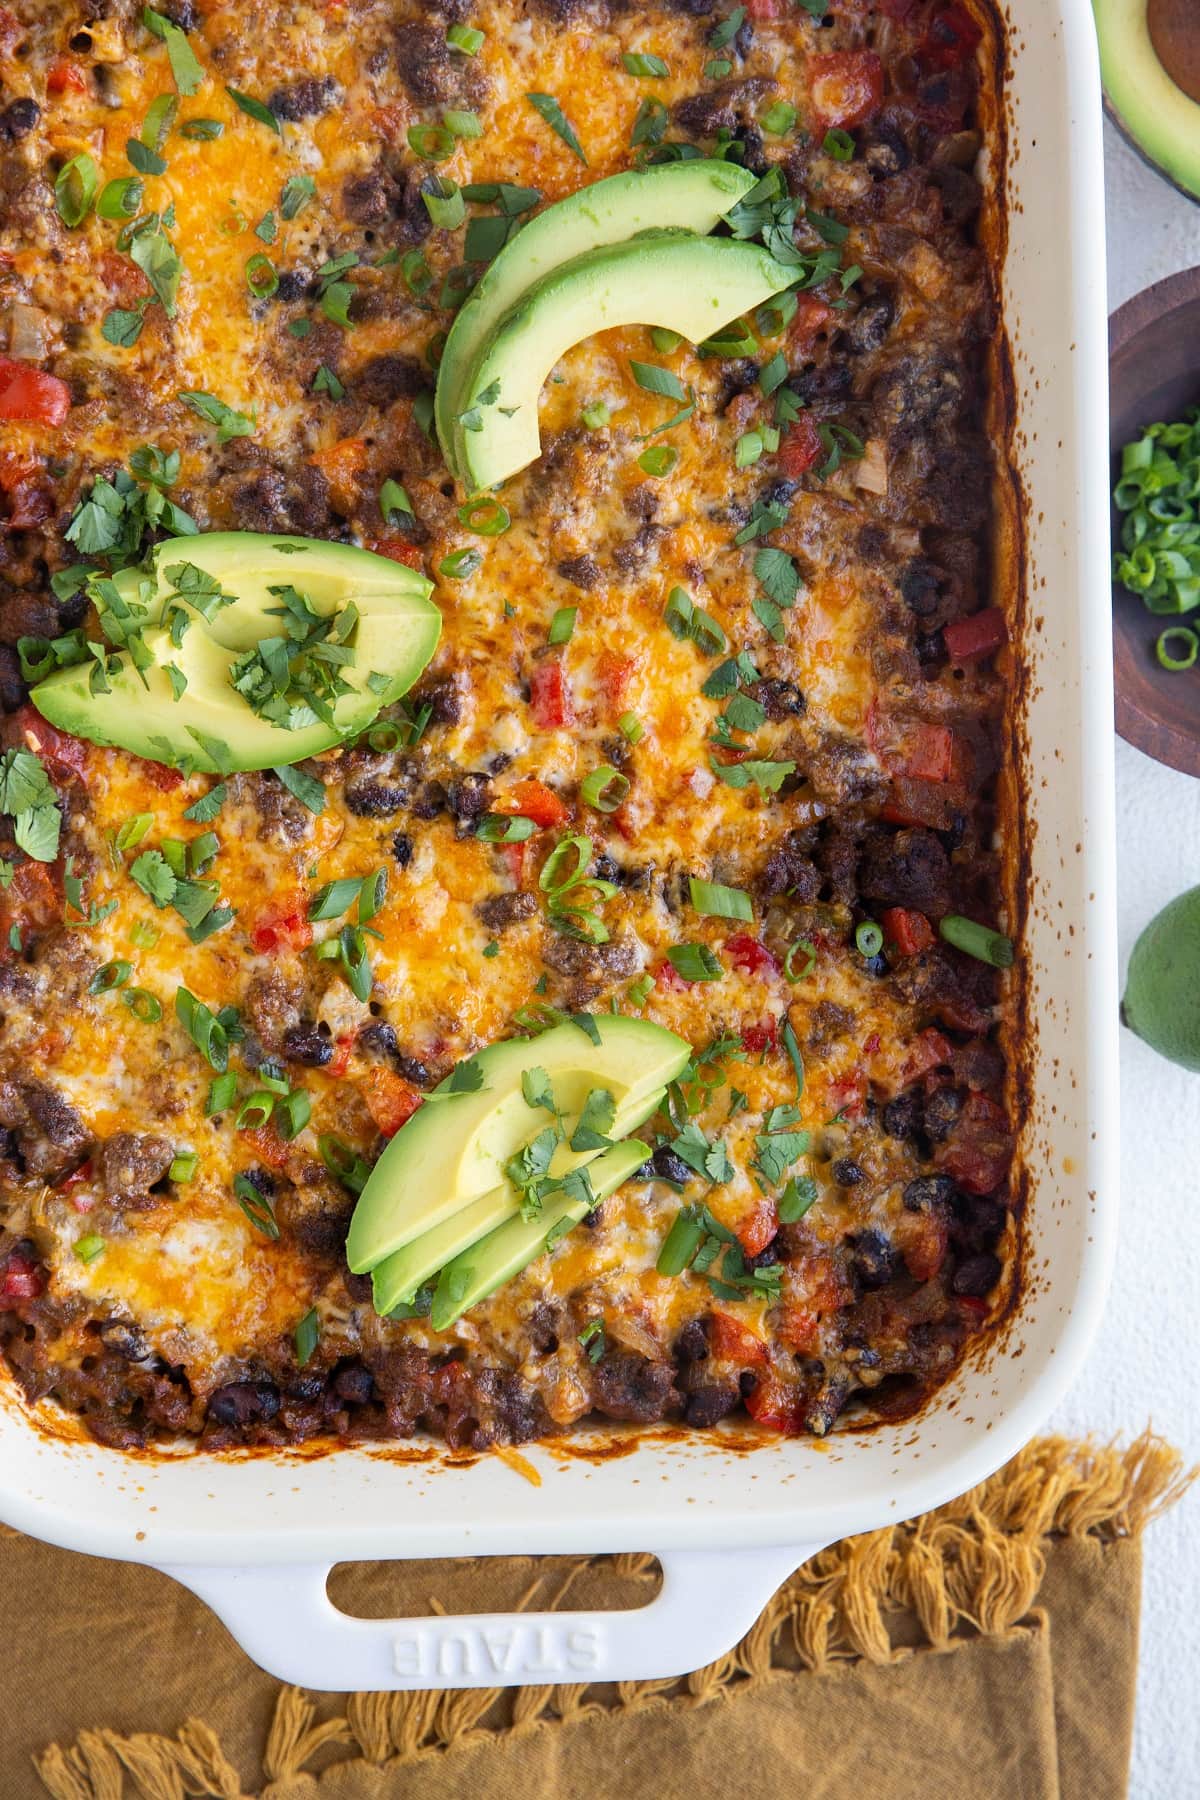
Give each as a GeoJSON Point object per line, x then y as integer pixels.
{"type": "Point", "coordinates": [124, 1338]}
{"type": "Point", "coordinates": [378, 1040]}
{"type": "Point", "coordinates": [691, 1346]}
{"type": "Point", "coordinates": [304, 1044]}
{"type": "Point", "coordinates": [19, 118]}
{"type": "Point", "coordinates": [414, 1070]}
{"type": "Point", "coordinates": [669, 1167]}
{"type": "Point", "coordinates": [874, 1260]}
{"type": "Point", "coordinates": [927, 1192]}
{"type": "Point", "coordinates": [354, 1384]}
{"type": "Point", "coordinates": [402, 849]}
{"type": "Point", "coordinates": [846, 1172]}
{"type": "Point", "coordinates": [377, 799]}
{"type": "Point", "coordinates": [870, 325]}
{"type": "Point", "coordinates": [241, 1403]}
{"type": "Point", "coordinates": [976, 1276]}
{"type": "Point", "coordinates": [263, 1180]}
{"type": "Point", "coordinates": [941, 1113]}
{"type": "Point", "coordinates": [902, 1116]}
{"type": "Point", "coordinates": [714, 1401]}
{"type": "Point", "coordinates": [469, 798]}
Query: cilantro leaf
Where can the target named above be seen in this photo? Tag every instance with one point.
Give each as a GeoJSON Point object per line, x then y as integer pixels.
{"type": "Point", "coordinates": [595, 1121]}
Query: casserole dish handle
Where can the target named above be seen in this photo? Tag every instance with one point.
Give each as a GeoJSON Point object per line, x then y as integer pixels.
{"type": "Point", "coordinates": [283, 1618]}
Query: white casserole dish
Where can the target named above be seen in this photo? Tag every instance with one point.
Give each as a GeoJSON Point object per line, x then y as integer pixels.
{"type": "Point", "coordinates": [256, 1537]}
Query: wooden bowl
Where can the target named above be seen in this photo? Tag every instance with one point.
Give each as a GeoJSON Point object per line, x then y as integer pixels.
{"type": "Point", "coordinates": [1154, 373]}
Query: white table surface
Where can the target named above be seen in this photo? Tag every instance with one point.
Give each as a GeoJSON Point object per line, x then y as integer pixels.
{"type": "Point", "coordinates": [1141, 1366]}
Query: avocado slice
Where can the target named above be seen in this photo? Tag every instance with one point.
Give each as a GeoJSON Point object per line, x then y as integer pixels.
{"type": "Point", "coordinates": [398, 1276]}
{"type": "Point", "coordinates": [694, 195]}
{"type": "Point", "coordinates": [1151, 67]}
{"type": "Point", "coordinates": [454, 1149]}
{"type": "Point", "coordinates": [692, 285]}
{"type": "Point", "coordinates": [210, 726]}
{"type": "Point", "coordinates": [496, 1258]}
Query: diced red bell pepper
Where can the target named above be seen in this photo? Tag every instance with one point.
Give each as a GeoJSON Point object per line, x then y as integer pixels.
{"type": "Point", "coordinates": [919, 803]}
{"type": "Point", "coordinates": [550, 697]}
{"type": "Point", "coordinates": [952, 39]}
{"type": "Point", "coordinates": [800, 1328]}
{"type": "Point", "coordinates": [763, 10]}
{"type": "Point", "coordinates": [32, 899]}
{"type": "Point", "coordinates": [846, 88]}
{"type": "Point", "coordinates": [871, 1044]}
{"type": "Point", "coordinates": [759, 1226]}
{"type": "Point", "coordinates": [847, 1095]}
{"type": "Point", "coordinates": [391, 1101]}
{"type": "Point", "coordinates": [516, 858]}
{"type": "Point", "coordinates": [343, 1053]}
{"type": "Point", "coordinates": [909, 932]}
{"type": "Point", "coordinates": [800, 448]}
{"type": "Point", "coordinates": [20, 1279]}
{"type": "Point", "coordinates": [283, 928]}
{"type": "Point", "coordinates": [728, 1337]}
{"type": "Point", "coordinates": [748, 955]}
{"type": "Point", "coordinates": [776, 1406]}
{"type": "Point", "coordinates": [532, 799]}
{"type": "Point", "coordinates": [980, 1148]}
{"type": "Point", "coordinates": [667, 977]}
{"type": "Point", "coordinates": [759, 1038]}
{"type": "Point", "coordinates": [66, 77]}
{"type": "Point", "coordinates": [930, 754]}
{"type": "Point", "coordinates": [983, 633]}
{"type": "Point", "coordinates": [30, 395]}
{"type": "Point", "coordinates": [923, 1242]}
{"type": "Point", "coordinates": [930, 1050]}
{"type": "Point", "coordinates": [268, 1146]}
{"type": "Point", "coordinates": [811, 317]}
{"type": "Point", "coordinates": [615, 673]}
{"type": "Point", "coordinates": [159, 775]}
{"type": "Point", "coordinates": [398, 549]}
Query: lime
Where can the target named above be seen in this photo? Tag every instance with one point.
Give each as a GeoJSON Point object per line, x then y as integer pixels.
{"type": "Point", "coordinates": [1162, 993]}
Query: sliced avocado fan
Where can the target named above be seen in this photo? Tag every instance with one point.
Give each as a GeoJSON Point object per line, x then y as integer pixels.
{"type": "Point", "coordinates": [687, 284]}
{"type": "Point", "coordinates": [247, 606]}
{"type": "Point", "coordinates": [1150, 61]}
{"type": "Point", "coordinates": [693, 195]}
{"type": "Point", "coordinates": [455, 1149]}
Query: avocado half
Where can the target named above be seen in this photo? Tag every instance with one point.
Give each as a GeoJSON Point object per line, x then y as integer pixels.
{"type": "Point", "coordinates": [207, 725]}
{"type": "Point", "coordinates": [688, 284]}
{"type": "Point", "coordinates": [1150, 62]}
{"type": "Point", "coordinates": [693, 195]}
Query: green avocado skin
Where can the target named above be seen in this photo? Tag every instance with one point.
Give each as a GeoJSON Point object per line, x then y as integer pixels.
{"type": "Point", "coordinates": [1162, 992]}
{"type": "Point", "coordinates": [1147, 107]}
{"type": "Point", "coordinates": [209, 726]}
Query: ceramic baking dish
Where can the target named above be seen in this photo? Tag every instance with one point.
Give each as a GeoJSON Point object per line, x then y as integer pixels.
{"type": "Point", "coordinates": [256, 1536]}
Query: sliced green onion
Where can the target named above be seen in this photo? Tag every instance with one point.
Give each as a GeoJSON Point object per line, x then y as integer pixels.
{"type": "Point", "coordinates": [120, 199]}
{"type": "Point", "coordinates": [779, 118]}
{"type": "Point", "coordinates": [257, 1208]}
{"type": "Point", "coordinates": [202, 130]}
{"type": "Point", "coordinates": [748, 449]}
{"type": "Point", "coordinates": [160, 116]}
{"type": "Point", "coordinates": [800, 947]}
{"type": "Point", "coordinates": [638, 62]}
{"type": "Point", "coordinates": [463, 124]}
{"type": "Point", "coordinates": [838, 144]}
{"type": "Point", "coordinates": [665, 341]}
{"type": "Point", "coordinates": [144, 936]}
{"type": "Point", "coordinates": [221, 1092]}
{"type": "Point", "coordinates": [695, 962]}
{"type": "Point", "coordinates": [976, 940]}
{"type": "Point", "coordinates": [549, 881]}
{"type": "Point", "coordinates": [680, 1244]}
{"type": "Point", "coordinates": [466, 39]}
{"type": "Point", "coordinates": [460, 564]}
{"type": "Point", "coordinates": [256, 1110]}
{"type": "Point", "coordinates": [658, 460]}
{"type": "Point", "coordinates": [714, 900]}
{"type": "Point", "coordinates": [605, 788]}
{"type": "Point", "coordinates": [631, 728]}
{"type": "Point", "coordinates": [75, 189]}
{"type": "Point", "coordinates": [89, 1247]}
{"type": "Point", "coordinates": [562, 625]}
{"type": "Point", "coordinates": [869, 938]}
{"type": "Point", "coordinates": [308, 1333]}
{"type": "Point", "coordinates": [796, 1199]}
{"type": "Point", "coordinates": [292, 1114]}
{"type": "Point", "coordinates": [109, 976]}
{"type": "Point", "coordinates": [596, 416]}
{"type": "Point", "coordinates": [1185, 655]}
{"type": "Point", "coordinates": [142, 1004]}
{"type": "Point", "coordinates": [183, 1167]}
{"type": "Point", "coordinates": [501, 828]}
{"type": "Point", "coordinates": [444, 203]}
{"type": "Point", "coordinates": [485, 516]}
{"type": "Point", "coordinates": [343, 1163]}
{"type": "Point", "coordinates": [261, 276]}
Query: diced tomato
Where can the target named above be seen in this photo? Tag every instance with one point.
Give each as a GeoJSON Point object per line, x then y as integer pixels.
{"type": "Point", "coordinates": [928, 1051]}
{"type": "Point", "coordinates": [811, 317]}
{"type": "Point", "coordinates": [980, 1148]}
{"type": "Point", "coordinates": [31, 899]}
{"type": "Point", "coordinates": [391, 1101]}
{"type": "Point", "coordinates": [800, 1329]}
{"type": "Point", "coordinates": [66, 77]}
{"type": "Point", "coordinates": [52, 745]}
{"type": "Point", "coordinates": [980, 635]}
{"type": "Point", "coordinates": [919, 803]}
{"type": "Point", "coordinates": [269, 1147]}
{"type": "Point", "coordinates": [775, 1405]}
{"type": "Point", "coordinates": [615, 673]}
{"type": "Point", "coordinates": [283, 928]}
{"type": "Point", "coordinates": [82, 1173]}
{"type": "Point", "coordinates": [871, 1044]}
{"type": "Point", "coordinates": [30, 395]}
{"type": "Point", "coordinates": [532, 799]}
{"type": "Point", "coordinates": [847, 1095]}
{"type": "Point", "coordinates": [159, 775]}
{"type": "Point", "coordinates": [758, 1227]}
{"type": "Point", "coordinates": [951, 40]}
{"type": "Point", "coordinates": [343, 1053]}
{"type": "Point", "coordinates": [762, 10]}
{"type": "Point", "coordinates": [923, 1238]}
{"type": "Point", "coordinates": [759, 1038]}
{"type": "Point", "coordinates": [846, 88]}
{"type": "Point", "coordinates": [751, 957]}
{"type": "Point", "coordinates": [341, 464]}
{"type": "Point", "coordinates": [800, 447]}
{"type": "Point", "coordinates": [550, 697]}
{"type": "Point", "coordinates": [20, 1279]}
{"type": "Point", "coordinates": [909, 932]}
{"type": "Point", "coordinates": [728, 1337]}
{"type": "Point", "coordinates": [930, 755]}
{"type": "Point", "coordinates": [398, 550]}
{"type": "Point", "coordinates": [515, 856]}
{"type": "Point", "coordinates": [667, 977]}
